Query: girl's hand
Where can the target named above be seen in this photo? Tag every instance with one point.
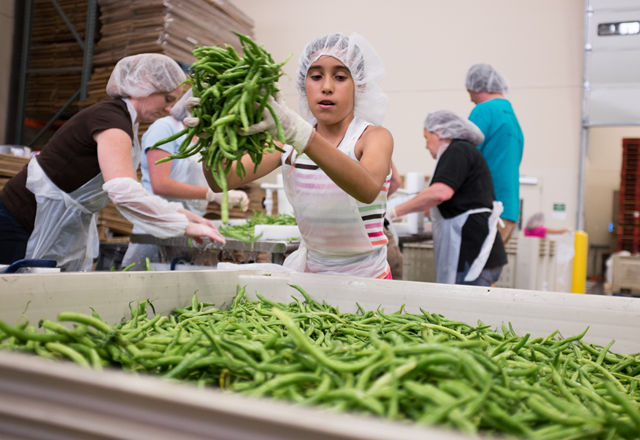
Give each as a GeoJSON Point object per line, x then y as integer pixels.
{"type": "Point", "coordinates": [297, 132]}
{"type": "Point", "coordinates": [191, 121]}
{"type": "Point", "coordinates": [189, 104]}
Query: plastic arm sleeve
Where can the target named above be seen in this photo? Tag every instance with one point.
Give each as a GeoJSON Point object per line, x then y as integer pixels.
{"type": "Point", "coordinates": [154, 214]}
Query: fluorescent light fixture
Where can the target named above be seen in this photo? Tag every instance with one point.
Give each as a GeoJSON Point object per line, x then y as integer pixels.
{"type": "Point", "coordinates": [623, 28]}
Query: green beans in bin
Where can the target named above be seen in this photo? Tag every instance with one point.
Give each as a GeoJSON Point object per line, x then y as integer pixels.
{"type": "Point", "coordinates": [422, 368]}
{"type": "Point", "coordinates": [246, 232]}
{"type": "Point", "coordinates": [233, 92]}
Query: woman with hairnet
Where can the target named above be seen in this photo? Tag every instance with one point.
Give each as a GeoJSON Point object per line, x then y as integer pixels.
{"type": "Point", "coordinates": [503, 139]}
{"type": "Point", "coordinates": [337, 160]}
{"type": "Point", "coordinates": [535, 227]}
{"type": "Point", "coordinates": [180, 181]}
{"type": "Point", "coordinates": [51, 206]}
{"type": "Point", "coordinates": [461, 204]}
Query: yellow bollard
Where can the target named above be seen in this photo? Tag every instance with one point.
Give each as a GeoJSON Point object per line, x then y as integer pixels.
{"type": "Point", "coordinates": [581, 246]}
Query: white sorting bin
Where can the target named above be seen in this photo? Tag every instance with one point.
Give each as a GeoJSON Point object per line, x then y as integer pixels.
{"type": "Point", "coordinates": [41, 399]}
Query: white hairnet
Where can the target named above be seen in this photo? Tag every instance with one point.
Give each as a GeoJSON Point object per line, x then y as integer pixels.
{"type": "Point", "coordinates": [178, 111]}
{"type": "Point", "coordinates": [365, 65]}
{"type": "Point", "coordinates": [535, 221]}
{"type": "Point", "coordinates": [141, 75]}
{"type": "Point", "coordinates": [450, 125]}
{"type": "Point", "coordinates": [484, 78]}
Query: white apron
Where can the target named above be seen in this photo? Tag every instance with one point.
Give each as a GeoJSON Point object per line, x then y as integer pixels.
{"type": "Point", "coordinates": [334, 237]}
{"type": "Point", "coordinates": [183, 170]}
{"type": "Point", "coordinates": [65, 228]}
{"type": "Point", "coordinates": [447, 238]}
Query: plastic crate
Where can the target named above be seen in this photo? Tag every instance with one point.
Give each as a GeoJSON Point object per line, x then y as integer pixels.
{"type": "Point", "coordinates": [628, 234]}
{"type": "Point", "coordinates": [625, 274]}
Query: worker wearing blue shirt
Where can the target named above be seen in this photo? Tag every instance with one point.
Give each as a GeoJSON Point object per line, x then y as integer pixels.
{"type": "Point", "coordinates": [503, 139]}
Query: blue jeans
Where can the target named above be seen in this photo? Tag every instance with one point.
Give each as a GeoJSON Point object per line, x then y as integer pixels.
{"type": "Point", "coordinates": [487, 277]}
{"type": "Point", "coordinates": [13, 237]}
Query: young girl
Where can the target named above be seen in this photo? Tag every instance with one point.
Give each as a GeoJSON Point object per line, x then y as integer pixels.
{"type": "Point", "coordinates": [337, 163]}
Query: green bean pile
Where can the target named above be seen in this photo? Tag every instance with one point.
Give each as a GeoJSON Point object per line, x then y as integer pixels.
{"type": "Point", "coordinates": [233, 92]}
{"type": "Point", "coordinates": [246, 232]}
{"type": "Point", "coordinates": [422, 368]}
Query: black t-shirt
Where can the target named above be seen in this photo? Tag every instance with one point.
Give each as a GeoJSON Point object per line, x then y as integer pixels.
{"type": "Point", "coordinates": [463, 168]}
{"type": "Point", "coordinates": [69, 159]}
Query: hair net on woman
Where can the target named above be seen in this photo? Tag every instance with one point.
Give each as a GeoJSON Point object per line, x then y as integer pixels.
{"type": "Point", "coordinates": [141, 75]}
{"type": "Point", "coordinates": [365, 65]}
{"type": "Point", "coordinates": [484, 78]}
{"type": "Point", "coordinates": [450, 125]}
{"type": "Point", "coordinates": [535, 221]}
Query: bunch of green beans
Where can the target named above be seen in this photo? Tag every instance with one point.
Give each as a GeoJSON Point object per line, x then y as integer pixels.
{"type": "Point", "coordinates": [246, 232]}
{"type": "Point", "coordinates": [421, 368]}
{"type": "Point", "coordinates": [233, 92]}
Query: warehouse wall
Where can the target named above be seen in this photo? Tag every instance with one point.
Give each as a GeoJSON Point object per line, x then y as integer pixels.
{"type": "Point", "coordinates": [427, 47]}
{"type": "Point", "coordinates": [7, 13]}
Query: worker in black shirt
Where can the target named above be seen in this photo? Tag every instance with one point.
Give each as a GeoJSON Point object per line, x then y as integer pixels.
{"type": "Point", "coordinates": [461, 204]}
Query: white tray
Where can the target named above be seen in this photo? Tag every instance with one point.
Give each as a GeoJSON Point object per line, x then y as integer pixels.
{"type": "Point", "coordinates": [277, 232]}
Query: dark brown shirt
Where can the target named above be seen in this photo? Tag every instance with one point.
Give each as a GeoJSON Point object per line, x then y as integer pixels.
{"type": "Point", "coordinates": [69, 159]}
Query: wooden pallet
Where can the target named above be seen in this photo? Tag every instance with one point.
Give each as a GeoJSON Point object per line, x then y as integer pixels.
{"type": "Point", "coordinates": [11, 165]}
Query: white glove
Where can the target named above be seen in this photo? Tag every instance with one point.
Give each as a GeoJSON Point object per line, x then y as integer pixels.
{"type": "Point", "coordinates": [391, 213]}
{"type": "Point", "coordinates": [154, 214]}
{"type": "Point", "coordinates": [189, 104]}
{"type": "Point", "coordinates": [192, 121]}
{"type": "Point", "coordinates": [201, 227]}
{"type": "Point", "coordinates": [297, 131]}
{"type": "Point", "coordinates": [239, 198]}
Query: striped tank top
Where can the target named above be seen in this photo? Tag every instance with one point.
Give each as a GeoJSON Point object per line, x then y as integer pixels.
{"type": "Point", "coordinates": [312, 182]}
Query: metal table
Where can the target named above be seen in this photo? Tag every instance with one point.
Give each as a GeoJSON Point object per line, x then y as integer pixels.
{"type": "Point", "coordinates": [414, 238]}
{"type": "Point", "coordinates": [277, 249]}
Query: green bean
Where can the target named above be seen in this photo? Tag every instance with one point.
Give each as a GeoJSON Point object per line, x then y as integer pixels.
{"type": "Point", "coordinates": [67, 351]}
{"type": "Point", "coordinates": [246, 232]}
{"type": "Point", "coordinates": [24, 336]}
{"type": "Point", "coordinates": [171, 138]}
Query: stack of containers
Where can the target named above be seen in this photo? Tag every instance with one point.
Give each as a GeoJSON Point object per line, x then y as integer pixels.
{"type": "Point", "coordinates": [629, 207]}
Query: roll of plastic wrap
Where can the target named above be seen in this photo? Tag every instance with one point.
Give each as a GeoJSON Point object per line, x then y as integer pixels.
{"type": "Point", "coordinates": [413, 184]}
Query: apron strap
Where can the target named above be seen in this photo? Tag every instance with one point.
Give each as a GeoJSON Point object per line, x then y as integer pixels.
{"type": "Point", "coordinates": [480, 261]}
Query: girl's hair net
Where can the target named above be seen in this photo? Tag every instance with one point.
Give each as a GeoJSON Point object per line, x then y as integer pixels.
{"type": "Point", "coordinates": [141, 75]}
{"type": "Point", "coordinates": [178, 111]}
{"type": "Point", "coordinates": [366, 69]}
{"type": "Point", "coordinates": [484, 78]}
{"type": "Point", "coordinates": [450, 125]}
{"type": "Point", "coordinates": [535, 221]}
